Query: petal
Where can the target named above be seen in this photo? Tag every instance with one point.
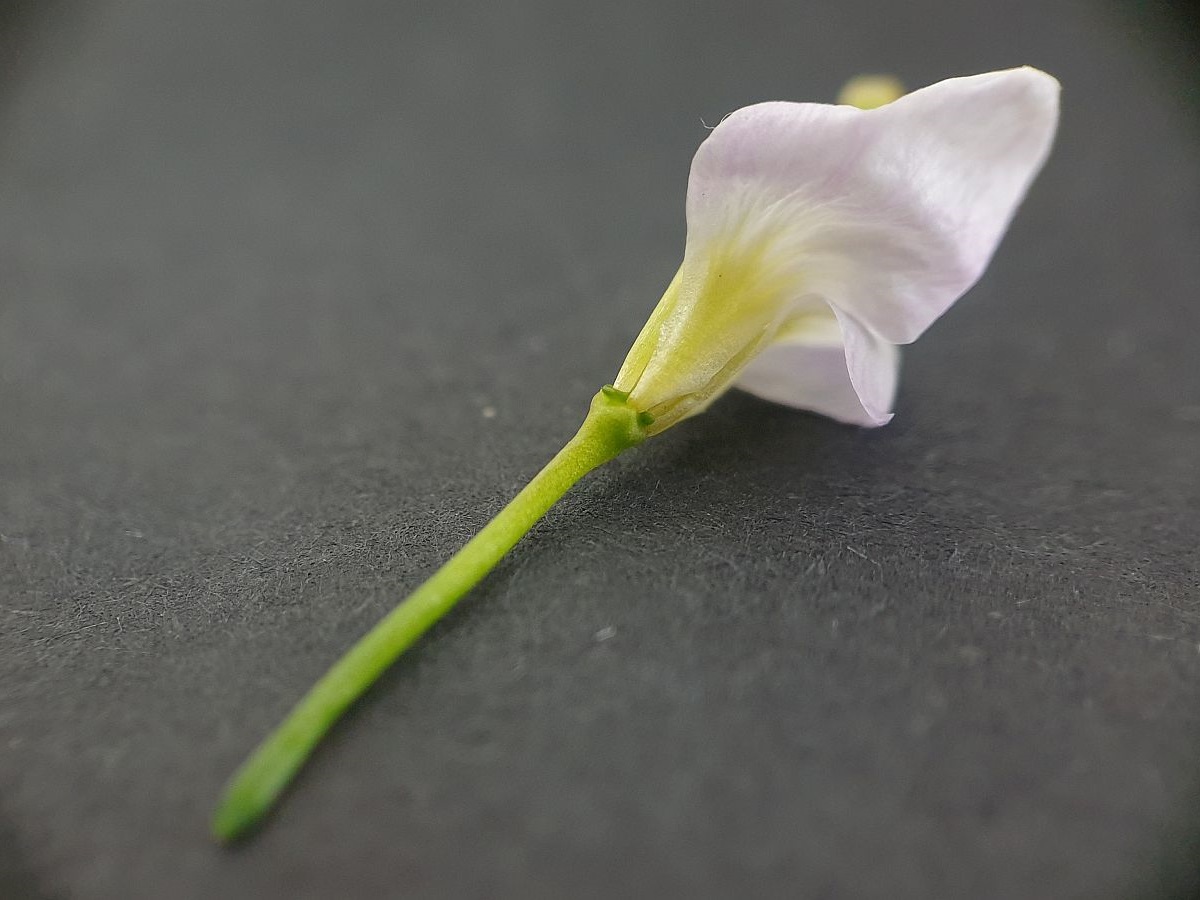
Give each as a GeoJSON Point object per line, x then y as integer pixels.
{"type": "Point", "coordinates": [888, 214]}
{"type": "Point", "coordinates": [832, 366]}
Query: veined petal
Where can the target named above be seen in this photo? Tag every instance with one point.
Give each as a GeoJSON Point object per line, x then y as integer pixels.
{"type": "Point", "coordinates": [830, 365]}
{"type": "Point", "coordinates": [888, 214]}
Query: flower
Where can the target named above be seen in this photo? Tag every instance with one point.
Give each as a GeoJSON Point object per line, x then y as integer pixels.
{"type": "Point", "coordinates": [820, 237]}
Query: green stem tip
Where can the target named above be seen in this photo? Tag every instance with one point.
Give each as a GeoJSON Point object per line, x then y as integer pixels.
{"type": "Point", "coordinates": [612, 426]}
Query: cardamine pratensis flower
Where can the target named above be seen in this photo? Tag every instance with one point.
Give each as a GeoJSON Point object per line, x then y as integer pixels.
{"type": "Point", "coordinates": [819, 239]}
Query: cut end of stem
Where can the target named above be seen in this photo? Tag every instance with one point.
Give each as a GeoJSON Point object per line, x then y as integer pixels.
{"type": "Point", "coordinates": [234, 818]}
{"type": "Point", "coordinates": [253, 789]}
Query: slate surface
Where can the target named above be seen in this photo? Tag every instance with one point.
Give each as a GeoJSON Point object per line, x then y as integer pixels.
{"type": "Point", "coordinates": [295, 295]}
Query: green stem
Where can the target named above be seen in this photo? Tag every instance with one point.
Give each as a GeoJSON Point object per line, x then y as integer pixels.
{"type": "Point", "coordinates": [612, 425]}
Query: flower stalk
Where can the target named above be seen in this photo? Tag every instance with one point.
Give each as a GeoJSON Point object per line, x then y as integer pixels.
{"type": "Point", "coordinates": [612, 426]}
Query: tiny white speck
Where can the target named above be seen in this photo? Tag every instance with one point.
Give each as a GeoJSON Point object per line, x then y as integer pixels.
{"type": "Point", "coordinates": [606, 633]}
{"type": "Point", "coordinates": [489, 412]}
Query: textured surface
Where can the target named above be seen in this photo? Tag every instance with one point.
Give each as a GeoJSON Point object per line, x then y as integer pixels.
{"type": "Point", "coordinates": [293, 296]}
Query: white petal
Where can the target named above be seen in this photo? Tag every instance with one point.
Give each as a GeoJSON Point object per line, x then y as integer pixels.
{"type": "Point", "coordinates": [888, 214]}
{"type": "Point", "coordinates": [837, 368]}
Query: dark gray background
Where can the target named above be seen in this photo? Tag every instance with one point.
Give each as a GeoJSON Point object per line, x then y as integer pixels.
{"type": "Point", "coordinates": [263, 268]}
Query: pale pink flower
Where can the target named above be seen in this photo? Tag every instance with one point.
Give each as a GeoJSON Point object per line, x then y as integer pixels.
{"type": "Point", "coordinates": [820, 237]}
